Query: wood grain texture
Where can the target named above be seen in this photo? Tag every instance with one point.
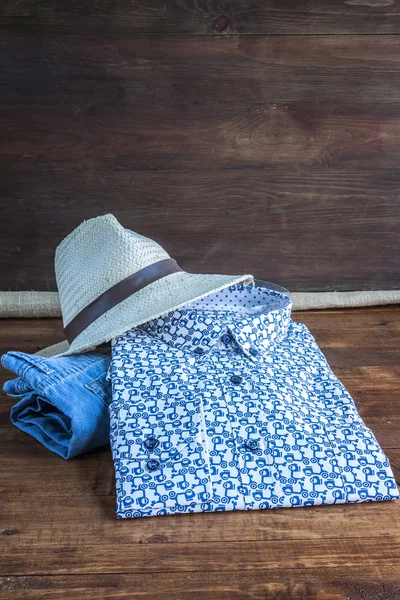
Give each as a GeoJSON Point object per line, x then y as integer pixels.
{"type": "Point", "coordinates": [244, 136]}
{"type": "Point", "coordinates": [190, 17]}
{"type": "Point", "coordinates": [68, 510]}
{"type": "Point", "coordinates": [281, 584]}
{"type": "Point", "coordinates": [204, 557]}
{"type": "Point", "coordinates": [198, 78]}
{"type": "Point", "coordinates": [62, 540]}
{"type": "Point", "coordinates": [229, 103]}
{"type": "Point", "coordinates": [271, 155]}
{"type": "Point", "coordinates": [313, 229]}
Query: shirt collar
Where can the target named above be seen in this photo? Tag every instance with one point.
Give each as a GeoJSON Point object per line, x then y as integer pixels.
{"type": "Point", "coordinates": [256, 317]}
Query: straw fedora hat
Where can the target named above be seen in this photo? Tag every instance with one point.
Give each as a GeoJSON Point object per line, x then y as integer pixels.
{"type": "Point", "coordinates": [111, 279]}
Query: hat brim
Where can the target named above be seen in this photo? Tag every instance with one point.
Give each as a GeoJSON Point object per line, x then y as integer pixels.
{"type": "Point", "coordinates": [155, 300]}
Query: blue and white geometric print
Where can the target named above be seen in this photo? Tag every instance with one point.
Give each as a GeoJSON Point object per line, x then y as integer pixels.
{"type": "Point", "coordinates": [227, 404]}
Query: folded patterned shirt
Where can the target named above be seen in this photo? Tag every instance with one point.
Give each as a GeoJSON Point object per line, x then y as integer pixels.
{"type": "Point", "coordinates": [228, 404]}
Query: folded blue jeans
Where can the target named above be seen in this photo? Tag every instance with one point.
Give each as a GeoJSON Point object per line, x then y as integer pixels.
{"type": "Point", "coordinates": [63, 401]}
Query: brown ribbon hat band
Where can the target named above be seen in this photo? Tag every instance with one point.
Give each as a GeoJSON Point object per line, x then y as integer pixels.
{"type": "Point", "coordinates": [117, 293]}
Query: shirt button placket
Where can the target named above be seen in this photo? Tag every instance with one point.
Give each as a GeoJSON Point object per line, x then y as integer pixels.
{"type": "Point", "coordinates": [248, 450]}
{"type": "Point", "coordinates": [245, 477]}
{"type": "Point", "coordinates": [225, 425]}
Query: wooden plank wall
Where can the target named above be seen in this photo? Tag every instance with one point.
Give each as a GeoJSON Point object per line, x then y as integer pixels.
{"type": "Point", "coordinates": [257, 136]}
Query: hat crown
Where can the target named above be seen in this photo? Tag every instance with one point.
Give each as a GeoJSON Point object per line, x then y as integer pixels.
{"type": "Point", "coordinates": [97, 255]}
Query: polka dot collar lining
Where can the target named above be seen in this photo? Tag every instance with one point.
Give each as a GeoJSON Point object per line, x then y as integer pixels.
{"type": "Point", "coordinates": [256, 317]}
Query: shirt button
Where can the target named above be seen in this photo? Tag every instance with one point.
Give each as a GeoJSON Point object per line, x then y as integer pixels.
{"type": "Point", "coordinates": [236, 379]}
{"type": "Point", "coordinates": [251, 444]}
{"type": "Point", "coordinates": [153, 464]}
{"type": "Point", "coordinates": [253, 351]}
{"type": "Point", "coordinates": [227, 338]}
{"type": "Point", "coordinates": [199, 350]}
{"type": "Point", "coordinates": [151, 443]}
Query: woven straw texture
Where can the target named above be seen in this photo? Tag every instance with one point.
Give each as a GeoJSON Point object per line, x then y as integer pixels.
{"type": "Point", "coordinates": [29, 304]}
{"type": "Point", "coordinates": [47, 304]}
{"type": "Point", "coordinates": [154, 300]}
{"type": "Point", "coordinates": [97, 255]}
{"type": "Point", "coordinates": [101, 253]}
{"type": "Point", "coordinates": [319, 300]}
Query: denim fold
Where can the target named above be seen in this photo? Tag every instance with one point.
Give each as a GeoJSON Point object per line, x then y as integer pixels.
{"type": "Point", "coordinates": [62, 402]}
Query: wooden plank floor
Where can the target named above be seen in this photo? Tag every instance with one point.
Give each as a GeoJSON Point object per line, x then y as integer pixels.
{"type": "Point", "coordinates": [60, 537]}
